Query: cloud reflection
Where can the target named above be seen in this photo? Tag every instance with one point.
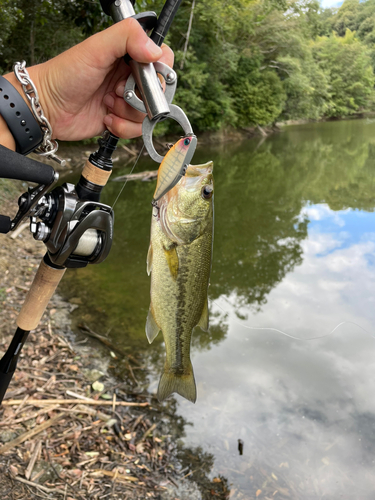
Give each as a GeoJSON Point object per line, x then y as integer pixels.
{"type": "Point", "coordinates": [304, 409]}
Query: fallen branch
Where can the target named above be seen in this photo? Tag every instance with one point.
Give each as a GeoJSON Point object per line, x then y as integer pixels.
{"type": "Point", "coordinates": [29, 434]}
{"type": "Point", "coordinates": [94, 402]}
{"type": "Point", "coordinates": [147, 433]}
{"type": "Point", "coordinates": [36, 485]}
{"type": "Point", "coordinates": [33, 459]}
{"type": "Point", "coordinates": [115, 475]}
{"type": "Point", "coordinates": [148, 175]}
{"type": "Point", "coordinates": [130, 151]}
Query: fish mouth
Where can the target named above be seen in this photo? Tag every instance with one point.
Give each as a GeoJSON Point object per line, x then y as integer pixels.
{"type": "Point", "coordinates": [195, 173]}
{"type": "Point", "coordinates": [199, 170]}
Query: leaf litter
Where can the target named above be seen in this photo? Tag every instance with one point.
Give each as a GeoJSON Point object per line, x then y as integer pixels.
{"type": "Point", "coordinates": [62, 434]}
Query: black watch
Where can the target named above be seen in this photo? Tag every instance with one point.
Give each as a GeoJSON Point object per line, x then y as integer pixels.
{"type": "Point", "coordinates": [19, 118]}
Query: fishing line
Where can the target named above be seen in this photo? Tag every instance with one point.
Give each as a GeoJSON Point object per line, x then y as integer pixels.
{"type": "Point", "coordinates": [131, 171]}
{"type": "Point", "coordinates": [292, 336]}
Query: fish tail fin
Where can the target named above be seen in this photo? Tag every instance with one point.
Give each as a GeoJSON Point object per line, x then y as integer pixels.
{"type": "Point", "coordinates": [182, 384]}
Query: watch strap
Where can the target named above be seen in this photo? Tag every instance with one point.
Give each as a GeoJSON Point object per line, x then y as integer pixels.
{"type": "Point", "coordinates": [19, 118]}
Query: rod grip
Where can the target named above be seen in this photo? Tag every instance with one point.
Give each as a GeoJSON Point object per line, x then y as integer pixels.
{"type": "Point", "coordinates": [19, 167]}
{"type": "Point", "coordinates": [95, 175]}
{"type": "Point", "coordinates": [43, 287]}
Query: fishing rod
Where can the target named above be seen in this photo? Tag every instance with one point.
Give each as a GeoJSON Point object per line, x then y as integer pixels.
{"type": "Point", "coordinates": [75, 227]}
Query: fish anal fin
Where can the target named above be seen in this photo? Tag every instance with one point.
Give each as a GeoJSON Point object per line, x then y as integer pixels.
{"type": "Point", "coordinates": [172, 259]}
{"type": "Point", "coordinates": [152, 328]}
{"type": "Point", "coordinates": [149, 260]}
{"type": "Point", "coordinates": [184, 385]}
{"type": "Point", "coordinates": [204, 321]}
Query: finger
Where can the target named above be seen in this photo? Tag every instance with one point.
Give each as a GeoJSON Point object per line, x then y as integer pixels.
{"type": "Point", "coordinates": [167, 58]}
{"type": "Point", "coordinates": [119, 107]}
{"type": "Point", "coordinates": [125, 129]}
{"type": "Point", "coordinates": [168, 55]}
{"type": "Point", "coordinates": [125, 37]}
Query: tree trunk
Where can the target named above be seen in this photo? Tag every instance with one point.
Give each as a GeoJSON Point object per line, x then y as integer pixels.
{"type": "Point", "coordinates": [188, 35]}
{"type": "Point", "coordinates": [32, 44]}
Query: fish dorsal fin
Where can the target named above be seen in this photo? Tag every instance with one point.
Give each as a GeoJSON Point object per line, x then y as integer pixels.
{"type": "Point", "coordinates": [204, 321]}
{"type": "Point", "coordinates": [152, 328]}
{"type": "Point", "coordinates": [149, 260]}
{"type": "Point", "coordinates": [172, 259]}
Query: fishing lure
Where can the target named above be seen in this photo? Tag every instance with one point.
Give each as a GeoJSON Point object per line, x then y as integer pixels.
{"type": "Point", "coordinates": [174, 165]}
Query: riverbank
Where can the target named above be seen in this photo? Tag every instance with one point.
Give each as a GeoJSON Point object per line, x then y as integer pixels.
{"type": "Point", "coordinates": [127, 151]}
{"type": "Point", "coordinates": [68, 430]}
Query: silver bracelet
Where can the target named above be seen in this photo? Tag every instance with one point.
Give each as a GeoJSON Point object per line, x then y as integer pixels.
{"type": "Point", "coordinates": [49, 146]}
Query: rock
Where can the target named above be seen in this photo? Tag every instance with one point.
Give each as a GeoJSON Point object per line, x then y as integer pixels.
{"type": "Point", "coordinates": [76, 300]}
{"type": "Point", "coordinates": [7, 436]}
{"type": "Point", "coordinates": [93, 375]}
{"type": "Point", "coordinates": [49, 473]}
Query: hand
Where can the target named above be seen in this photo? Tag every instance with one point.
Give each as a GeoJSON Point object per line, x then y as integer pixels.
{"type": "Point", "coordinates": [81, 89]}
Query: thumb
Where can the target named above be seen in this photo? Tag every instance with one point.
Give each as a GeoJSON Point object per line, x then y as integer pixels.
{"type": "Point", "coordinates": [125, 37]}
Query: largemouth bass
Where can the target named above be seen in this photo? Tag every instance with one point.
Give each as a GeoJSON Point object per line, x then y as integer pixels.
{"type": "Point", "coordinates": [179, 260]}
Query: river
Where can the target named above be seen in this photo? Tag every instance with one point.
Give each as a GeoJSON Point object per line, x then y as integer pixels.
{"type": "Point", "coordinates": [288, 366]}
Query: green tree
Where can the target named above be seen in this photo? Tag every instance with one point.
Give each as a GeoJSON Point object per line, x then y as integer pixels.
{"type": "Point", "coordinates": [38, 31]}
{"type": "Point", "coordinates": [258, 95]}
{"type": "Point", "coordinates": [347, 64]}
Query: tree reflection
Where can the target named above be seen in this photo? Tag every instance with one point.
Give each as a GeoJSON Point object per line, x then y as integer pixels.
{"type": "Point", "coordinates": [260, 191]}
{"type": "Point", "coordinates": [200, 465]}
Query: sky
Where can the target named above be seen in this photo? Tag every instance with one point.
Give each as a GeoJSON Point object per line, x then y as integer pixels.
{"type": "Point", "coordinates": [331, 3]}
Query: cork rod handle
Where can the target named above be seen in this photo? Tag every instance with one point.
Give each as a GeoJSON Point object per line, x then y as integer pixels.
{"type": "Point", "coordinates": [43, 287]}
{"type": "Point", "coordinates": [95, 175]}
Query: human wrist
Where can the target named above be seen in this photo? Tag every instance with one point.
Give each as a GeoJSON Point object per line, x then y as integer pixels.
{"type": "Point", "coordinates": [6, 137]}
{"type": "Point", "coordinates": [34, 72]}
{"type": "Point", "coordinates": [31, 128]}
{"type": "Point", "coordinates": [7, 130]}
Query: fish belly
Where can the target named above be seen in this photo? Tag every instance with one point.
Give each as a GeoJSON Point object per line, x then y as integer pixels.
{"type": "Point", "coordinates": [177, 304]}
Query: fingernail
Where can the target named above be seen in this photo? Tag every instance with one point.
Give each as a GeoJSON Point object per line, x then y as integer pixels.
{"type": "Point", "coordinates": [108, 120]}
{"type": "Point", "coordinates": [120, 89]}
{"type": "Point", "coordinates": [153, 48]}
{"type": "Point", "coordinates": [109, 100]}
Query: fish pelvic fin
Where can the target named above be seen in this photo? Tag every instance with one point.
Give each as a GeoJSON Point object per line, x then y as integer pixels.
{"type": "Point", "coordinates": [204, 321]}
{"type": "Point", "coordinates": [172, 259]}
{"type": "Point", "coordinates": [152, 328]}
{"type": "Point", "coordinates": [184, 385]}
{"type": "Point", "coordinates": [149, 260]}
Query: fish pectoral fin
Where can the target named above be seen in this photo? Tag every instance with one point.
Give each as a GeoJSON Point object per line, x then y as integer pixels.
{"type": "Point", "coordinates": [182, 384]}
{"type": "Point", "coordinates": [149, 259]}
{"type": "Point", "coordinates": [172, 259]}
{"type": "Point", "coordinates": [152, 328]}
{"type": "Point", "coordinates": [204, 321]}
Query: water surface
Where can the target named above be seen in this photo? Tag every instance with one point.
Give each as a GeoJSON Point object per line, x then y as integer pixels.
{"type": "Point", "coordinates": [293, 251]}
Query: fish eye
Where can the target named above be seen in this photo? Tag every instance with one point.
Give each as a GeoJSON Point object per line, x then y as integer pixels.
{"type": "Point", "coordinates": [187, 141]}
{"type": "Point", "coordinates": [207, 192]}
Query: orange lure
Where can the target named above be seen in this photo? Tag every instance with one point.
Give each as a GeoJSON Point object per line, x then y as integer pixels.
{"type": "Point", "coordinates": [174, 165]}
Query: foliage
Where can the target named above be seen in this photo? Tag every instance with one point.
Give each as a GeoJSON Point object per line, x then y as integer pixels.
{"type": "Point", "coordinates": [246, 62]}
{"type": "Point", "coordinates": [36, 32]}
{"type": "Point", "coordinates": [258, 95]}
{"type": "Point", "coordinates": [350, 91]}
